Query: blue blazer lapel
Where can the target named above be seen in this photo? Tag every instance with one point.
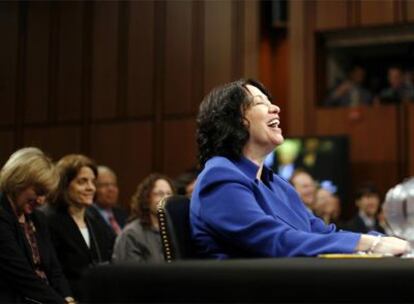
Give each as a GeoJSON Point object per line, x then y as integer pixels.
{"type": "Point", "coordinates": [283, 208]}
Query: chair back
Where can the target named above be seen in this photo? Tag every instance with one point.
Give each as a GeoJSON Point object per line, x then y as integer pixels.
{"type": "Point", "coordinates": [174, 220]}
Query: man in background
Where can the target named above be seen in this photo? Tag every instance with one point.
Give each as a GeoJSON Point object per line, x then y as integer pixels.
{"type": "Point", "coordinates": [398, 90]}
{"type": "Point", "coordinates": [367, 200]}
{"type": "Point", "coordinates": [305, 185]}
{"type": "Point", "coordinates": [105, 207]}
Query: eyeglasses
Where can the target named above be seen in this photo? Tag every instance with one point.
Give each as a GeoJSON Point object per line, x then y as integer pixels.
{"type": "Point", "coordinates": [161, 193]}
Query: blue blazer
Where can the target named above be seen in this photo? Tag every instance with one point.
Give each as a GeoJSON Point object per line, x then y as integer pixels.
{"type": "Point", "coordinates": [234, 215]}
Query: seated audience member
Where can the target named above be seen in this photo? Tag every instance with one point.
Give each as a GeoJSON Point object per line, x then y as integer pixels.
{"type": "Point", "coordinates": [327, 206]}
{"type": "Point", "coordinates": [29, 269]}
{"type": "Point", "coordinates": [398, 90]}
{"type": "Point", "coordinates": [239, 207]}
{"type": "Point", "coordinates": [305, 186]}
{"type": "Point", "coordinates": [79, 239]}
{"type": "Point", "coordinates": [184, 183]}
{"type": "Point", "coordinates": [140, 240]}
{"type": "Point", "coordinates": [283, 160]}
{"type": "Point", "coordinates": [351, 91]}
{"type": "Point", "coordinates": [105, 207]}
{"type": "Point", "coordinates": [367, 200]}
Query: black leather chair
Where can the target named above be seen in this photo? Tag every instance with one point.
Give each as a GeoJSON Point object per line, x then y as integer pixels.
{"type": "Point", "coordinates": [174, 221]}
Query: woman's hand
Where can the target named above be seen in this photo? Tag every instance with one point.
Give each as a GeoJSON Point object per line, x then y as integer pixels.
{"type": "Point", "coordinates": [383, 245]}
{"type": "Point", "coordinates": [392, 245]}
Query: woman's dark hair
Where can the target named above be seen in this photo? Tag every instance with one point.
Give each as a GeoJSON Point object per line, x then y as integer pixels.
{"type": "Point", "coordinates": [367, 189]}
{"type": "Point", "coordinates": [220, 123]}
{"type": "Point", "coordinates": [140, 200]}
{"type": "Point", "coordinates": [69, 167]}
{"type": "Point", "coordinates": [183, 180]}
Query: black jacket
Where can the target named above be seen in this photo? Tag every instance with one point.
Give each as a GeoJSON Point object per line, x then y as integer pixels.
{"type": "Point", "coordinates": [18, 280]}
{"type": "Point", "coordinates": [121, 216]}
{"type": "Point", "coordinates": [356, 224]}
{"type": "Point", "coordinates": [71, 248]}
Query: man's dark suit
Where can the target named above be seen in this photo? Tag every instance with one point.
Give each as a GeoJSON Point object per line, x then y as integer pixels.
{"type": "Point", "coordinates": [356, 224]}
{"type": "Point", "coordinates": [71, 248]}
{"type": "Point", "coordinates": [18, 280]}
{"type": "Point", "coordinates": [120, 215]}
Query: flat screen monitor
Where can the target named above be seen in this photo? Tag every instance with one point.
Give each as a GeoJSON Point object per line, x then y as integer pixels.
{"type": "Point", "coordinates": [324, 157]}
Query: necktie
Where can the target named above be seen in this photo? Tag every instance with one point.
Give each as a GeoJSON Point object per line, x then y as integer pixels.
{"type": "Point", "coordinates": [114, 224]}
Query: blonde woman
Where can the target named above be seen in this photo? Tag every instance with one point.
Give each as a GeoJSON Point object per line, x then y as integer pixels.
{"type": "Point", "coordinates": [29, 269]}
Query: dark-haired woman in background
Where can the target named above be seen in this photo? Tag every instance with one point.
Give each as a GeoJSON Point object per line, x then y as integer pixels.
{"type": "Point", "coordinates": [80, 240]}
{"type": "Point", "coordinates": [29, 269]}
{"type": "Point", "coordinates": [140, 240]}
{"type": "Point", "coordinates": [239, 208]}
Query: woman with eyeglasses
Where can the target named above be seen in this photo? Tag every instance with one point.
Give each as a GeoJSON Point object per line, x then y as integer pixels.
{"type": "Point", "coordinates": [140, 239]}
{"type": "Point", "coordinates": [239, 207]}
{"type": "Point", "coordinates": [29, 269]}
{"type": "Point", "coordinates": [81, 241]}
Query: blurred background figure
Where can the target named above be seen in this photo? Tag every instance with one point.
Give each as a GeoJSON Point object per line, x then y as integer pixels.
{"type": "Point", "coordinates": [305, 185]}
{"type": "Point", "coordinates": [184, 183]}
{"type": "Point", "coordinates": [367, 200]}
{"type": "Point", "coordinates": [327, 206]}
{"type": "Point", "coordinates": [29, 269]}
{"type": "Point", "coordinates": [140, 240]}
{"type": "Point", "coordinates": [79, 239]}
{"type": "Point", "coordinates": [282, 160]}
{"type": "Point", "coordinates": [105, 207]}
{"type": "Point", "coordinates": [351, 91]}
{"type": "Point", "coordinates": [398, 89]}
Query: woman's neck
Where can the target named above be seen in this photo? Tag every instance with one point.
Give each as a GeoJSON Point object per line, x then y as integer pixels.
{"type": "Point", "coordinates": [78, 215]}
{"type": "Point", "coordinates": [19, 213]}
{"type": "Point", "coordinates": [154, 222]}
{"type": "Point", "coordinates": [255, 157]}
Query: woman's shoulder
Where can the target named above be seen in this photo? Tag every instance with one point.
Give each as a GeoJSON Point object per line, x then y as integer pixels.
{"type": "Point", "coordinates": [220, 168]}
{"type": "Point", "coordinates": [220, 165]}
{"type": "Point", "coordinates": [133, 227]}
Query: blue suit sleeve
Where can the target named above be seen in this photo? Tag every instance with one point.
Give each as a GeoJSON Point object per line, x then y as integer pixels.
{"type": "Point", "coordinates": [229, 207]}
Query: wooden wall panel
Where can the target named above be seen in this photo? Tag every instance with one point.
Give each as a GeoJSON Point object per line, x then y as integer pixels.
{"type": "Point", "coordinates": [197, 78]}
{"type": "Point", "coordinates": [178, 58]}
{"type": "Point", "coordinates": [251, 38]}
{"type": "Point", "coordinates": [70, 61]}
{"type": "Point", "coordinates": [119, 80]}
{"type": "Point", "coordinates": [37, 62]}
{"type": "Point", "coordinates": [56, 141]}
{"type": "Point", "coordinates": [409, 10]}
{"type": "Point", "coordinates": [377, 12]}
{"type": "Point", "coordinates": [301, 91]}
{"type": "Point", "coordinates": [180, 143]}
{"type": "Point", "coordinates": [105, 60]}
{"type": "Point", "coordinates": [127, 149]}
{"type": "Point", "coordinates": [9, 29]}
{"type": "Point", "coordinates": [373, 147]}
{"type": "Point", "coordinates": [6, 146]}
{"type": "Point", "coordinates": [332, 14]}
{"type": "Point", "coordinates": [218, 43]}
{"type": "Point", "coordinates": [140, 88]}
{"type": "Point", "coordinates": [370, 140]}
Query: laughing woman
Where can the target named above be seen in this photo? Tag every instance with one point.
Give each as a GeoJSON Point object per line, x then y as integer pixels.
{"type": "Point", "coordinates": [239, 208]}
{"type": "Point", "coordinates": [29, 269]}
{"type": "Point", "coordinates": [80, 240]}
